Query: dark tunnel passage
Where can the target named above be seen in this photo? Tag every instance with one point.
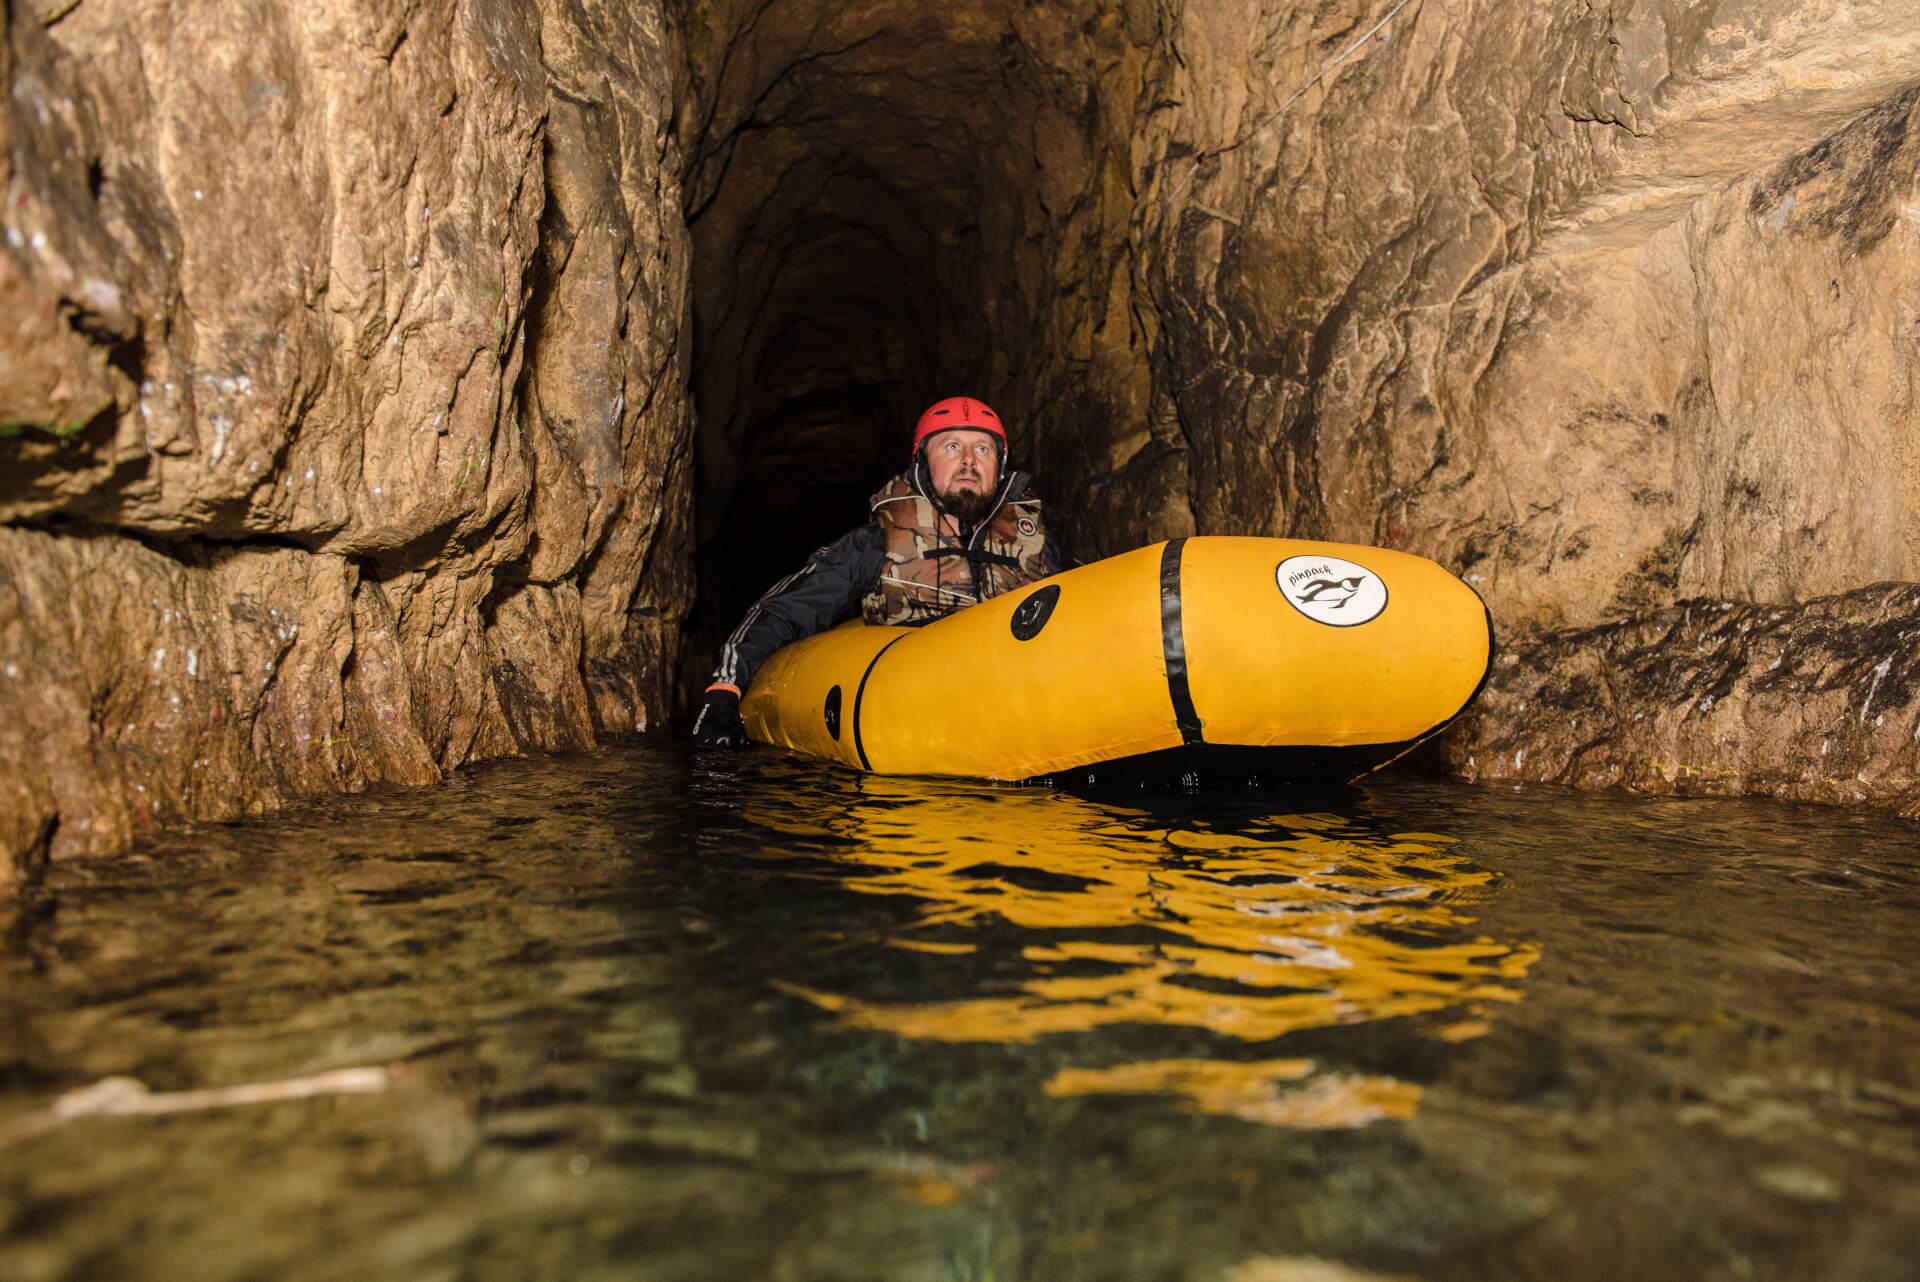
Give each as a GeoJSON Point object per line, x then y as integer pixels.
{"type": "Point", "coordinates": [866, 192]}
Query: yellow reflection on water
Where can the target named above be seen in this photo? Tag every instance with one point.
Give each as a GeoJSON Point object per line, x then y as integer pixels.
{"type": "Point", "coordinates": [1252, 926]}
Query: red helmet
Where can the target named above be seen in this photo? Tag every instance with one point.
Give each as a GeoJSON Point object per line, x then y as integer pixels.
{"type": "Point", "coordinates": [958, 412]}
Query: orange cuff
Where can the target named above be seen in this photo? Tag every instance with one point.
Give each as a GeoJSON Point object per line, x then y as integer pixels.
{"type": "Point", "coordinates": [721, 685]}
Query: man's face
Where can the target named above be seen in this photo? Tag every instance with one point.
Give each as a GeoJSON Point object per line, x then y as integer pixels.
{"type": "Point", "coordinates": [965, 466]}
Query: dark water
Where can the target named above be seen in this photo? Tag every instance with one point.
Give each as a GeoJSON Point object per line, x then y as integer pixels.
{"type": "Point", "coordinates": [658, 1016]}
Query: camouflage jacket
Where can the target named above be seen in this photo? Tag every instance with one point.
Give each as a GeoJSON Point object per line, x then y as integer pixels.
{"type": "Point", "coordinates": [928, 575]}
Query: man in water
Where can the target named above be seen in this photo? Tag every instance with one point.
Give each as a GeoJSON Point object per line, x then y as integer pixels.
{"type": "Point", "coordinates": [953, 529]}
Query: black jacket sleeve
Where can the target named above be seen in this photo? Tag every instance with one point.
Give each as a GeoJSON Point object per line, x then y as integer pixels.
{"type": "Point", "coordinates": [812, 599]}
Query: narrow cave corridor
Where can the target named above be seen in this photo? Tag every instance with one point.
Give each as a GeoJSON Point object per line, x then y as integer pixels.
{"type": "Point", "coordinates": [1325, 273]}
{"type": "Point", "coordinates": [867, 199]}
{"type": "Point", "coordinates": [510, 351]}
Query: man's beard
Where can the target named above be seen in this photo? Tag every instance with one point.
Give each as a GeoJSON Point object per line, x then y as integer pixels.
{"type": "Point", "coordinates": [967, 506]}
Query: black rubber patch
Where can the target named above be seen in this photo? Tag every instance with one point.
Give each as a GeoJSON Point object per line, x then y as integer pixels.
{"type": "Point", "coordinates": [1173, 642]}
{"type": "Point", "coordinates": [860, 695]}
{"type": "Point", "coordinates": [1032, 614]}
{"type": "Point", "coordinates": [833, 713]}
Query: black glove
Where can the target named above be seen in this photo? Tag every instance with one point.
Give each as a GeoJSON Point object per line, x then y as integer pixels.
{"type": "Point", "coordinates": [719, 724]}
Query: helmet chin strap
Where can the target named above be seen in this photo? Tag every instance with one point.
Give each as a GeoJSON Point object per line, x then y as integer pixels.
{"type": "Point", "coordinates": [923, 479]}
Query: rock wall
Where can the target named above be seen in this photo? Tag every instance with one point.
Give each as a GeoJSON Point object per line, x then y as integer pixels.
{"type": "Point", "coordinates": [1814, 702]}
{"type": "Point", "coordinates": [1550, 293]}
{"type": "Point", "coordinates": [342, 428]}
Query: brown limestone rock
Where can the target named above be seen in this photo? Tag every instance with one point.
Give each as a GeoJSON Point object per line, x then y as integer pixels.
{"type": "Point", "coordinates": [147, 689]}
{"type": "Point", "coordinates": [1602, 307]}
{"type": "Point", "coordinates": [1449, 299]}
{"type": "Point", "coordinates": [604, 394]}
{"type": "Point", "coordinates": [294, 498]}
{"type": "Point", "coordinates": [61, 315]}
{"type": "Point", "coordinates": [1816, 702]}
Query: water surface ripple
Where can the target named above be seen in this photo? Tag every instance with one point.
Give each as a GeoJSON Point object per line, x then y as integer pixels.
{"type": "Point", "coordinates": [650, 1013]}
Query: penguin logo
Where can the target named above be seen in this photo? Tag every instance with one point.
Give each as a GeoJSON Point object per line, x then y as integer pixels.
{"type": "Point", "coordinates": [1331, 590]}
{"type": "Point", "coordinates": [1332, 593]}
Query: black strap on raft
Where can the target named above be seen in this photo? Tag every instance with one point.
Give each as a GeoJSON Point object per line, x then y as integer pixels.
{"type": "Point", "coordinates": [1173, 642]}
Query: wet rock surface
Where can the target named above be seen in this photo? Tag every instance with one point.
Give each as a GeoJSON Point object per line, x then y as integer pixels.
{"type": "Point", "coordinates": [1818, 703]}
{"type": "Point", "coordinates": [392, 321]}
{"type": "Point", "coordinates": [342, 432]}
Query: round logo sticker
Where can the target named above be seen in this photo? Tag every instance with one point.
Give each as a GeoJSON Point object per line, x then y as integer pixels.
{"type": "Point", "coordinates": [1027, 526]}
{"type": "Point", "coordinates": [1330, 590]}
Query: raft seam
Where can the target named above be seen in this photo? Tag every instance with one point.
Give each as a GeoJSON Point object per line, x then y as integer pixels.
{"type": "Point", "coordinates": [860, 698]}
